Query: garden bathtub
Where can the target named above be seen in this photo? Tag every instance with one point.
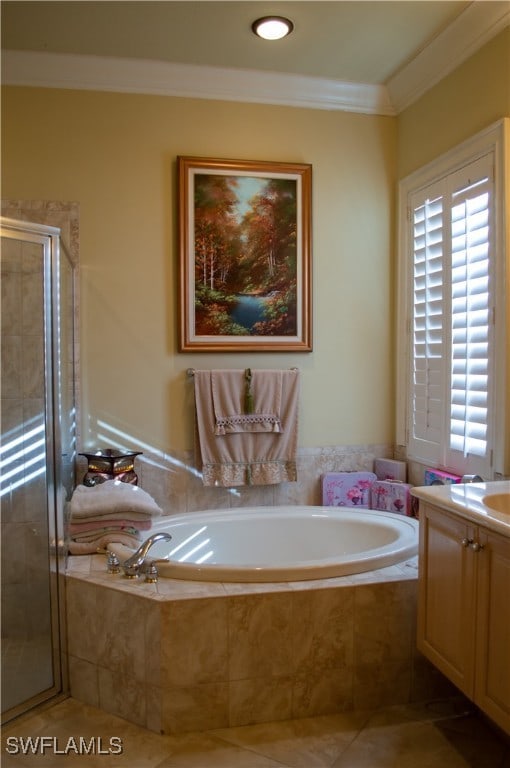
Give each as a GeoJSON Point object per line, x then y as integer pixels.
{"type": "Point", "coordinates": [275, 544]}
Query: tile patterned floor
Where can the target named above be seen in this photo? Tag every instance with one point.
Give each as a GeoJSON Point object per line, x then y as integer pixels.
{"type": "Point", "coordinates": [436, 735]}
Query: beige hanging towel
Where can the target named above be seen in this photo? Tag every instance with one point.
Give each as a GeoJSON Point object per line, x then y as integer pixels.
{"type": "Point", "coordinates": [240, 451]}
{"type": "Point", "coordinates": [246, 401]}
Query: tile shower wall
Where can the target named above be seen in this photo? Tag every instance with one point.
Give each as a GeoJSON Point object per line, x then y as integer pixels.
{"type": "Point", "coordinates": [65, 216]}
{"type": "Point", "coordinates": [176, 485]}
{"type": "Point", "coordinates": [24, 513]}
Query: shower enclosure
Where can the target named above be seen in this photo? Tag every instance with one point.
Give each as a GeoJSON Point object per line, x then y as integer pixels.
{"type": "Point", "coordinates": [37, 459]}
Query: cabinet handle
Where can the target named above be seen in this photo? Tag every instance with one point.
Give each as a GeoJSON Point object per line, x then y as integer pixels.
{"type": "Point", "coordinates": [466, 542]}
{"type": "Point", "coordinates": [476, 546]}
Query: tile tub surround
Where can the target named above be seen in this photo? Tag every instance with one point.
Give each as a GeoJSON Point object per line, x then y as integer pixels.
{"type": "Point", "coordinates": [180, 656]}
{"type": "Point", "coordinates": [175, 484]}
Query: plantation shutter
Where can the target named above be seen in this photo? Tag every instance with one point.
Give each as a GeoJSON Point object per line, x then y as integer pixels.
{"type": "Point", "coordinates": [451, 333]}
{"type": "Point", "coordinates": [471, 312]}
{"type": "Point", "coordinates": [427, 323]}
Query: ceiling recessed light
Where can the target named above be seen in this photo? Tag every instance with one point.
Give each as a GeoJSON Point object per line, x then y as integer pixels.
{"type": "Point", "coordinates": [272, 27]}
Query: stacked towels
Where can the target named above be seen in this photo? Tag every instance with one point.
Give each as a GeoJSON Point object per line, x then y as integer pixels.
{"type": "Point", "coordinates": [112, 511]}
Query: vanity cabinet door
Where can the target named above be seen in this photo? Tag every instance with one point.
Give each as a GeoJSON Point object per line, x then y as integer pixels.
{"type": "Point", "coordinates": [446, 605]}
{"type": "Point", "coordinates": [492, 687]}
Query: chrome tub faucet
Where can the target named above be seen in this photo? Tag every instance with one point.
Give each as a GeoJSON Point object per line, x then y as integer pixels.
{"type": "Point", "coordinates": [134, 564]}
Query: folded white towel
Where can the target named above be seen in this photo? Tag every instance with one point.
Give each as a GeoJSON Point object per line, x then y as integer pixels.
{"type": "Point", "coordinates": [106, 531]}
{"type": "Point", "coordinates": [112, 497]}
{"type": "Point", "coordinates": [136, 517]}
{"type": "Point", "coordinates": [102, 543]}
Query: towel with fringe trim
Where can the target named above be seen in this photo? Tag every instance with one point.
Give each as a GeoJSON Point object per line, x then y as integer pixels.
{"type": "Point", "coordinates": [246, 401]}
{"type": "Point", "coordinates": [249, 457]}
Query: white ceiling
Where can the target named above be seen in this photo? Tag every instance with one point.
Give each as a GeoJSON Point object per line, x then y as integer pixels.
{"type": "Point", "coordinates": [373, 44]}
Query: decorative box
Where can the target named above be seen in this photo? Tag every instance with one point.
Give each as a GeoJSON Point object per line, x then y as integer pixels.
{"type": "Point", "coordinates": [347, 489]}
{"type": "Point", "coordinates": [391, 496]}
{"type": "Point", "coordinates": [439, 477]}
{"type": "Point", "coordinates": [390, 469]}
{"type": "Point", "coordinates": [109, 464]}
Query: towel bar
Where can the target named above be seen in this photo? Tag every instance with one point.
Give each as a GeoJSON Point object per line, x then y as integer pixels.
{"type": "Point", "coordinates": [191, 371]}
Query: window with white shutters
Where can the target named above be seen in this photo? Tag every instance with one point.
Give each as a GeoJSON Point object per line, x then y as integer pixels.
{"type": "Point", "coordinates": [428, 332]}
{"type": "Point", "coordinates": [471, 318]}
{"type": "Point", "coordinates": [450, 284]}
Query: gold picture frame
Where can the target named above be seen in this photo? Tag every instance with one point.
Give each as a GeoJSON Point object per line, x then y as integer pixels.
{"type": "Point", "coordinates": [245, 255]}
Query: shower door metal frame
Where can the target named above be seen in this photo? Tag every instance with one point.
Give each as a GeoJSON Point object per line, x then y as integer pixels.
{"type": "Point", "coordinates": [49, 238]}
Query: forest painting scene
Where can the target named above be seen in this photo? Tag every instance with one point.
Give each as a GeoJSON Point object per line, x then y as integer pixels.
{"type": "Point", "coordinates": [245, 233]}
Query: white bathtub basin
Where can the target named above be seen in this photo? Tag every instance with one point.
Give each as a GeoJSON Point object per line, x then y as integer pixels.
{"type": "Point", "coordinates": [280, 543]}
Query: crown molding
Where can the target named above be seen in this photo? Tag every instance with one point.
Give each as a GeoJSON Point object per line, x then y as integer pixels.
{"type": "Point", "coordinates": [473, 28]}
{"type": "Point", "coordinates": [478, 24]}
{"type": "Point", "coordinates": [102, 73]}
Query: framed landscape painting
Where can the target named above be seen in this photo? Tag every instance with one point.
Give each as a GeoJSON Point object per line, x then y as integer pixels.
{"type": "Point", "coordinates": [245, 255]}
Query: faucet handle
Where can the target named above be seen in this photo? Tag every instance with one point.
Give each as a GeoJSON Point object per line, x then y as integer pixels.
{"type": "Point", "coordinates": [113, 563]}
{"type": "Point", "coordinates": [151, 574]}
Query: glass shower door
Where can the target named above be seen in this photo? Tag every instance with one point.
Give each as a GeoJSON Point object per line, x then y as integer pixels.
{"type": "Point", "coordinates": [31, 652]}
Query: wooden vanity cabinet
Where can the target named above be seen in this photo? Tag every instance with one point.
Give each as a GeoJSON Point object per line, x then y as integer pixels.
{"type": "Point", "coordinates": [464, 607]}
{"type": "Point", "coordinates": [492, 667]}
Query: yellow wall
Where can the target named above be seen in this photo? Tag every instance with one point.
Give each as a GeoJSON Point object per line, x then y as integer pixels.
{"type": "Point", "coordinates": [115, 154]}
{"type": "Point", "coordinates": [468, 100]}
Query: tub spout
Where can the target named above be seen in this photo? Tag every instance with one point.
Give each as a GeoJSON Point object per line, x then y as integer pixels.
{"type": "Point", "coordinates": [134, 564]}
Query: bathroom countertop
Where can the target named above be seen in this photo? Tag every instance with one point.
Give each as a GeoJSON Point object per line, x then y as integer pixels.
{"type": "Point", "coordinates": [467, 500]}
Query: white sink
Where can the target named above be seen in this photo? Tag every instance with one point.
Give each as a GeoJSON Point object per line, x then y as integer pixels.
{"type": "Point", "coordinates": [499, 502]}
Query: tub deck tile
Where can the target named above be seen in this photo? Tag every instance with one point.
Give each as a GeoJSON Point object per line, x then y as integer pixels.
{"type": "Point", "coordinates": [92, 568]}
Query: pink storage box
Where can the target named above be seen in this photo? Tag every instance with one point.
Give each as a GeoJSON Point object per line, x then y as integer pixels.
{"type": "Point", "coordinates": [347, 489]}
{"type": "Point", "coordinates": [391, 496]}
{"type": "Point", "coordinates": [390, 469]}
{"type": "Point", "coordinates": [439, 477]}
